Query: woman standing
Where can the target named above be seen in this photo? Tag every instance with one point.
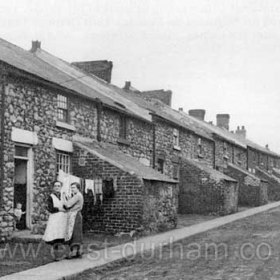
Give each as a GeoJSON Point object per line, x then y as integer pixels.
{"type": "Point", "coordinates": [74, 231]}
{"type": "Point", "coordinates": [56, 226]}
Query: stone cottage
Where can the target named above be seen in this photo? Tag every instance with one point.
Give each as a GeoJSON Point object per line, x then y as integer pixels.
{"type": "Point", "coordinates": [45, 107]}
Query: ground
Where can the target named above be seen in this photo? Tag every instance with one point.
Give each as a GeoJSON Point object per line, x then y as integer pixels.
{"type": "Point", "coordinates": [248, 249]}
{"type": "Point", "coordinates": [23, 254]}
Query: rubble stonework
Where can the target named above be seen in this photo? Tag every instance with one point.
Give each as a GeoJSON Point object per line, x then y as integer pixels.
{"type": "Point", "coordinates": [226, 152]}
{"type": "Point", "coordinates": [138, 142]}
{"type": "Point", "coordinates": [188, 146]}
{"type": "Point", "coordinates": [97, 111]}
{"type": "Point", "coordinates": [252, 190]}
{"type": "Point", "coordinates": [204, 190]}
{"type": "Point", "coordinates": [273, 182]}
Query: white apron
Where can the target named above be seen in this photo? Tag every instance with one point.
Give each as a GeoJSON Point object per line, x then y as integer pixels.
{"type": "Point", "coordinates": [56, 226]}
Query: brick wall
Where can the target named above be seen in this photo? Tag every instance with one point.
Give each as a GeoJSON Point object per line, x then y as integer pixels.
{"type": "Point", "coordinates": [99, 68]}
{"type": "Point", "coordinates": [124, 211]}
{"type": "Point", "coordinates": [252, 191]}
{"type": "Point", "coordinates": [136, 203]}
{"type": "Point", "coordinates": [205, 191]}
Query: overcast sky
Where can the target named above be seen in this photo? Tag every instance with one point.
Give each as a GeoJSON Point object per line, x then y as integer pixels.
{"type": "Point", "coordinates": [218, 55]}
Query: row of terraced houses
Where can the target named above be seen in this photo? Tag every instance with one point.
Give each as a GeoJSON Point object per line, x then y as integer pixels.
{"type": "Point", "coordinates": [149, 161]}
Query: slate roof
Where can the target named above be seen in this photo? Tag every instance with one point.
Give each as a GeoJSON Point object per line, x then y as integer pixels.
{"type": "Point", "coordinates": [217, 131]}
{"type": "Point", "coordinates": [231, 137]}
{"type": "Point", "coordinates": [244, 172]}
{"type": "Point", "coordinates": [59, 72]}
{"type": "Point", "coordinates": [80, 79]}
{"type": "Point", "coordinates": [214, 174]}
{"type": "Point", "coordinates": [113, 155]}
{"type": "Point", "coordinates": [162, 110]}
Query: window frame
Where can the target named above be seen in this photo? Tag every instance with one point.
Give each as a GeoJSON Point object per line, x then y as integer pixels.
{"type": "Point", "coordinates": [123, 127]}
{"type": "Point", "coordinates": [60, 165]}
{"type": "Point", "coordinates": [160, 165]}
{"type": "Point", "coordinates": [175, 137]}
{"type": "Point", "coordinates": [62, 108]}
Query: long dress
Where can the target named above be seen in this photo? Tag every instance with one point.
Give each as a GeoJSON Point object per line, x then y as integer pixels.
{"type": "Point", "coordinates": [57, 222]}
{"type": "Point", "coordinates": [74, 230]}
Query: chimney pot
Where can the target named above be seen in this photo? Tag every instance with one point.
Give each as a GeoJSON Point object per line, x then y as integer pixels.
{"type": "Point", "coordinates": [223, 120]}
{"type": "Point", "coordinates": [241, 132]}
{"type": "Point", "coordinates": [197, 113]}
{"type": "Point", "coordinates": [35, 46]}
{"type": "Point", "coordinates": [181, 109]}
{"type": "Point", "coordinates": [127, 85]}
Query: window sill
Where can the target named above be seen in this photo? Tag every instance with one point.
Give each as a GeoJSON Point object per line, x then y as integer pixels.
{"type": "Point", "coordinates": [65, 125]}
{"type": "Point", "coordinates": [123, 141]}
{"type": "Point", "coordinates": [175, 147]}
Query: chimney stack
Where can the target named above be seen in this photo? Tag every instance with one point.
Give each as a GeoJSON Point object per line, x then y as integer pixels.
{"type": "Point", "coordinates": [241, 131]}
{"type": "Point", "coordinates": [267, 147]}
{"type": "Point", "coordinates": [223, 120]}
{"type": "Point", "coordinates": [181, 109]}
{"type": "Point", "coordinates": [35, 46]}
{"type": "Point", "coordinates": [127, 85]}
{"type": "Point", "coordinates": [197, 113]}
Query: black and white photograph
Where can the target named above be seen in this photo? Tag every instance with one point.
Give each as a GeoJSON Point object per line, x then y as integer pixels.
{"type": "Point", "coordinates": [139, 140]}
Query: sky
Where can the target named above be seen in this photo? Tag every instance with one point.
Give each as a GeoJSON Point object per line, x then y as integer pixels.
{"type": "Point", "coordinates": [217, 55]}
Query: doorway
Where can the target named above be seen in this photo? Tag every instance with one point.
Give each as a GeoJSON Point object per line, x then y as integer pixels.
{"type": "Point", "coordinates": [23, 184]}
{"type": "Point", "coordinates": [20, 189]}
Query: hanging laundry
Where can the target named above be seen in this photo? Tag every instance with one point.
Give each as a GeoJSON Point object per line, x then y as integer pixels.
{"type": "Point", "coordinates": [108, 188]}
{"type": "Point", "coordinates": [98, 188]}
{"type": "Point", "coordinates": [89, 185]}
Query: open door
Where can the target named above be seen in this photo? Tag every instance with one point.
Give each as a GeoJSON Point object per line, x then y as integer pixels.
{"type": "Point", "coordinates": [23, 182]}
{"type": "Point", "coordinates": [20, 189]}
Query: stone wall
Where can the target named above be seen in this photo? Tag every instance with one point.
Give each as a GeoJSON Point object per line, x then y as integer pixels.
{"type": "Point", "coordinates": [138, 143]}
{"type": "Point", "coordinates": [188, 147]}
{"type": "Point", "coordinates": [160, 206]}
{"type": "Point", "coordinates": [227, 152]}
{"type": "Point", "coordinates": [206, 191]}
{"type": "Point", "coordinates": [252, 190]}
{"type": "Point", "coordinates": [33, 108]}
{"type": "Point", "coordinates": [273, 184]}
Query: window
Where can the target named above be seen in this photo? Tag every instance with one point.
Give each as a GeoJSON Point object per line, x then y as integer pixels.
{"type": "Point", "coordinates": [176, 171]}
{"type": "Point", "coordinates": [63, 162]}
{"type": "Point", "coordinates": [175, 137]}
{"type": "Point", "coordinates": [62, 108]}
{"type": "Point", "coordinates": [160, 165]}
{"type": "Point", "coordinates": [21, 152]}
{"type": "Point", "coordinates": [225, 147]}
{"type": "Point", "coordinates": [123, 127]}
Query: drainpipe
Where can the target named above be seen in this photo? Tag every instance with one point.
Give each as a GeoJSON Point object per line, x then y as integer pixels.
{"type": "Point", "coordinates": [214, 154]}
{"type": "Point", "coordinates": [232, 160]}
{"type": "Point", "coordinates": [247, 162]}
{"type": "Point", "coordinates": [154, 145]}
{"type": "Point", "coordinates": [3, 84]}
{"type": "Point", "coordinates": [99, 112]}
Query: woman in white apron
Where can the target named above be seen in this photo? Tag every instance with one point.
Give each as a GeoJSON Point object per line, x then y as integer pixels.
{"type": "Point", "coordinates": [74, 230]}
{"type": "Point", "coordinates": [56, 226]}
